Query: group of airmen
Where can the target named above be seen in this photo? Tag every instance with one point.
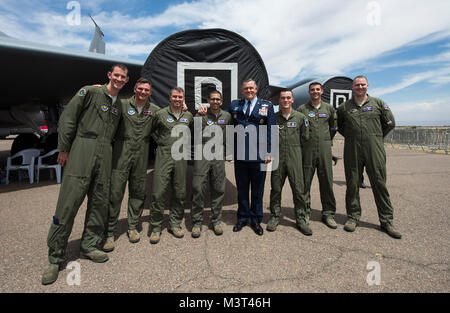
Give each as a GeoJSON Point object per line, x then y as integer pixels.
{"type": "Point", "coordinates": [104, 143]}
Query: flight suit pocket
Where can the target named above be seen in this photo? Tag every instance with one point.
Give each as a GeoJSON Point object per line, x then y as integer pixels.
{"type": "Point", "coordinates": [55, 238]}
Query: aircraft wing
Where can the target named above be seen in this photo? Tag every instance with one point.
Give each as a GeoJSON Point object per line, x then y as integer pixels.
{"type": "Point", "coordinates": [39, 73]}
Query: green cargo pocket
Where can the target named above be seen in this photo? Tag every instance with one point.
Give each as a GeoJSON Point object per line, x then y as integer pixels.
{"type": "Point", "coordinates": [55, 237]}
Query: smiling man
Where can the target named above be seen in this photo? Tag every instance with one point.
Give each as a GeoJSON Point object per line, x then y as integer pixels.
{"type": "Point", "coordinates": [168, 170]}
{"type": "Point", "coordinates": [210, 172]}
{"type": "Point", "coordinates": [317, 152]}
{"type": "Point", "coordinates": [364, 121]}
{"type": "Point", "coordinates": [293, 133]}
{"type": "Point", "coordinates": [253, 113]}
{"type": "Point", "coordinates": [86, 129]}
{"type": "Point", "coordinates": [130, 160]}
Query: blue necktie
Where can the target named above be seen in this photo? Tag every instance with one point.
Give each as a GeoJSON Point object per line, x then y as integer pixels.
{"type": "Point", "coordinates": [247, 113]}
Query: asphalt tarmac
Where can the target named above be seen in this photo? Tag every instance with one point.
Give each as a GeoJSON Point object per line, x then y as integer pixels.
{"type": "Point", "coordinates": [284, 261]}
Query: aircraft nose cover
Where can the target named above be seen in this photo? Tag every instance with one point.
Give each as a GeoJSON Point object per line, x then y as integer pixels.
{"type": "Point", "coordinates": [201, 60]}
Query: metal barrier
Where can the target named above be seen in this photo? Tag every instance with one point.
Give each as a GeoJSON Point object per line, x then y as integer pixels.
{"type": "Point", "coordinates": [427, 139]}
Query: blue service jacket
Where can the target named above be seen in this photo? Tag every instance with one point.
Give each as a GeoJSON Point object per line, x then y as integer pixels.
{"type": "Point", "coordinates": [262, 115]}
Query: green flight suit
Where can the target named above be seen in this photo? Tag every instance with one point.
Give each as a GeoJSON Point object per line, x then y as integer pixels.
{"type": "Point", "coordinates": [129, 163]}
{"type": "Point", "coordinates": [86, 129]}
{"type": "Point", "coordinates": [317, 154]}
{"type": "Point", "coordinates": [212, 170]}
{"type": "Point", "coordinates": [293, 132]}
{"type": "Point", "coordinates": [364, 129]}
{"type": "Point", "coordinates": [168, 171]}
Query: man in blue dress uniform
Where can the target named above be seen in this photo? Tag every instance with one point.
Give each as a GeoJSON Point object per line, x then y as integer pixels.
{"type": "Point", "coordinates": [251, 117]}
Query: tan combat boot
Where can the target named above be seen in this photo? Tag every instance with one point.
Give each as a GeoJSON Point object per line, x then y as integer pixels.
{"type": "Point", "coordinates": [50, 274]}
{"type": "Point", "coordinates": [391, 231]}
{"type": "Point", "coordinates": [350, 226]}
{"type": "Point", "coordinates": [176, 231]}
{"type": "Point", "coordinates": [196, 231]}
{"type": "Point", "coordinates": [218, 230]}
{"type": "Point", "coordinates": [155, 237]}
{"type": "Point", "coordinates": [108, 246]}
{"type": "Point", "coordinates": [304, 229]}
{"type": "Point", "coordinates": [96, 256]}
{"type": "Point", "coordinates": [329, 221]}
{"type": "Point", "coordinates": [133, 236]}
{"type": "Point", "coordinates": [272, 224]}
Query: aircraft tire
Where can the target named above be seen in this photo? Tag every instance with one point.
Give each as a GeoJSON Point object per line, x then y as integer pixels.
{"type": "Point", "coordinates": [25, 141]}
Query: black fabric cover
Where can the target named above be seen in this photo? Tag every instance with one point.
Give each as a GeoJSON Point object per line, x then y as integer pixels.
{"type": "Point", "coordinates": [205, 46]}
{"type": "Point", "coordinates": [340, 85]}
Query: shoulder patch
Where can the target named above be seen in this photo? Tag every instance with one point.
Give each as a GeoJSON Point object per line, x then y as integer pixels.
{"type": "Point", "coordinates": [82, 92]}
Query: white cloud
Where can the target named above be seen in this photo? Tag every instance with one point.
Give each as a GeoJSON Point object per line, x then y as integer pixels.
{"type": "Point", "coordinates": [296, 38]}
{"type": "Point", "coordinates": [434, 76]}
{"type": "Point", "coordinates": [432, 106]}
{"type": "Point", "coordinates": [423, 112]}
{"type": "Point", "coordinates": [443, 57]}
{"type": "Point", "coordinates": [442, 80]}
{"type": "Point", "coordinates": [320, 37]}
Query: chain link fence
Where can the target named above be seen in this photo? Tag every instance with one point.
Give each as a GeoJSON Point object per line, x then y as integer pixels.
{"type": "Point", "coordinates": [427, 139]}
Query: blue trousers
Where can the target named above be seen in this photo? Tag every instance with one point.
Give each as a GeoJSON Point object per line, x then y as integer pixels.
{"type": "Point", "coordinates": [249, 175]}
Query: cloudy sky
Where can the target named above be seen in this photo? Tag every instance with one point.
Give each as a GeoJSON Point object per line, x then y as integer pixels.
{"type": "Point", "coordinates": [403, 47]}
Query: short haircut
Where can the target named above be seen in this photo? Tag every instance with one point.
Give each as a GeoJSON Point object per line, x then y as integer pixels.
{"type": "Point", "coordinates": [215, 91]}
{"type": "Point", "coordinates": [179, 89]}
{"type": "Point", "coordinates": [121, 66]}
{"type": "Point", "coordinates": [142, 80]}
{"type": "Point", "coordinates": [286, 90]}
{"type": "Point", "coordinates": [315, 83]}
{"type": "Point", "coordinates": [360, 76]}
{"type": "Point", "coordinates": [249, 80]}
